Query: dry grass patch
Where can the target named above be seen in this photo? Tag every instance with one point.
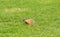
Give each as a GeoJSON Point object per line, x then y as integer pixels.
{"type": "Point", "coordinates": [15, 9]}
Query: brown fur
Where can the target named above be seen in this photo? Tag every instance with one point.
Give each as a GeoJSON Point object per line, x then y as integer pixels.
{"type": "Point", "coordinates": [29, 21]}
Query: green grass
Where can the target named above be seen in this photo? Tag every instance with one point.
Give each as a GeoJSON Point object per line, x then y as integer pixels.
{"type": "Point", "coordinates": [46, 13]}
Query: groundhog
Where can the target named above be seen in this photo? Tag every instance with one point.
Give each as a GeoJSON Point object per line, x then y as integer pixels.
{"type": "Point", "coordinates": [29, 21]}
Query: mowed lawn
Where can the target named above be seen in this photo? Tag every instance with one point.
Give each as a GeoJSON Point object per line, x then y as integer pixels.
{"type": "Point", "coordinates": [46, 13]}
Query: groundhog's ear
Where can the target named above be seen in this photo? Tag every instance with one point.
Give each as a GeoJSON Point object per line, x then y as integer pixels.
{"type": "Point", "coordinates": [24, 19]}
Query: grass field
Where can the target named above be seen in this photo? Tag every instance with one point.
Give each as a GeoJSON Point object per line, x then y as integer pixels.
{"type": "Point", "coordinates": [46, 13]}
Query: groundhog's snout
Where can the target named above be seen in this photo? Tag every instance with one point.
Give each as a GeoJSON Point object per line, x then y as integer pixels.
{"type": "Point", "coordinates": [29, 21]}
